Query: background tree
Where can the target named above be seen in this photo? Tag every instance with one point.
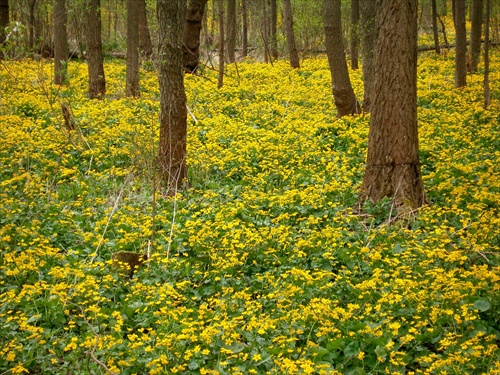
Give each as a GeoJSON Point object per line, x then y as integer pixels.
{"type": "Point", "coordinates": [4, 21]}
{"type": "Point", "coordinates": [61, 52]}
{"type": "Point", "coordinates": [354, 37]}
{"type": "Point", "coordinates": [220, 79]}
{"type": "Point", "coordinates": [393, 166]}
{"type": "Point", "coordinates": [244, 21]}
{"type": "Point", "coordinates": [368, 10]}
{"type": "Point", "coordinates": [231, 31]}
{"type": "Point", "coordinates": [145, 45]}
{"type": "Point", "coordinates": [435, 30]}
{"type": "Point", "coordinates": [290, 35]}
{"type": "Point", "coordinates": [461, 45]}
{"type": "Point", "coordinates": [95, 59]}
{"type": "Point", "coordinates": [191, 34]}
{"type": "Point", "coordinates": [132, 74]}
{"type": "Point", "coordinates": [273, 43]}
{"type": "Point", "coordinates": [343, 94]}
{"type": "Point", "coordinates": [487, 55]}
{"type": "Point", "coordinates": [475, 33]}
{"type": "Point", "coordinates": [173, 121]}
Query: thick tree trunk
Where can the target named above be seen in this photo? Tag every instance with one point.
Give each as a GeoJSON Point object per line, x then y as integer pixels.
{"type": "Point", "coordinates": [265, 33]}
{"type": "Point", "coordinates": [61, 51]}
{"type": "Point", "coordinates": [191, 34]}
{"type": "Point", "coordinates": [475, 34]}
{"type": "Point", "coordinates": [173, 113]}
{"type": "Point", "coordinates": [343, 94]}
{"type": "Point", "coordinates": [435, 30]}
{"type": "Point", "coordinates": [461, 45]}
{"type": "Point", "coordinates": [31, 26]}
{"type": "Point", "coordinates": [354, 37]}
{"type": "Point", "coordinates": [145, 45]}
{"type": "Point", "coordinates": [220, 79]}
{"type": "Point", "coordinates": [97, 81]}
{"type": "Point", "coordinates": [274, 20]}
{"type": "Point", "coordinates": [244, 16]}
{"type": "Point", "coordinates": [393, 166]}
{"type": "Point", "coordinates": [132, 75]}
{"type": "Point", "coordinates": [290, 35]}
{"type": "Point", "coordinates": [368, 10]}
{"type": "Point", "coordinates": [231, 31]}
{"type": "Point", "coordinates": [487, 55]}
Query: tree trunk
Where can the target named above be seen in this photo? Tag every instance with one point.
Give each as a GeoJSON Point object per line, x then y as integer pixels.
{"type": "Point", "coordinates": [173, 113]}
{"type": "Point", "coordinates": [264, 31]}
{"type": "Point", "coordinates": [4, 21]}
{"type": "Point", "coordinates": [368, 10]}
{"type": "Point", "coordinates": [343, 94]}
{"type": "Point", "coordinates": [274, 20]}
{"type": "Point", "coordinates": [435, 28]}
{"type": "Point", "coordinates": [191, 34]}
{"type": "Point", "coordinates": [132, 75]}
{"type": "Point", "coordinates": [61, 51]}
{"type": "Point", "coordinates": [354, 33]}
{"type": "Point", "coordinates": [487, 55]}
{"type": "Point", "coordinates": [393, 166]}
{"type": "Point", "coordinates": [475, 34]}
{"type": "Point", "coordinates": [244, 17]}
{"type": "Point", "coordinates": [145, 45]}
{"type": "Point", "coordinates": [231, 31]}
{"type": "Point", "coordinates": [290, 35]}
{"type": "Point", "coordinates": [461, 45]}
{"type": "Point", "coordinates": [31, 35]}
{"type": "Point", "coordinates": [220, 80]}
{"type": "Point", "coordinates": [97, 81]}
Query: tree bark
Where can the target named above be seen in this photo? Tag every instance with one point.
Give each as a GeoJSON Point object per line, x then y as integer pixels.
{"type": "Point", "coordinates": [220, 79]}
{"type": "Point", "coordinates": [435, 30]}
{"type": "Point", "coordinates": [475, 34]}
{"type": "Point", "coordinates": [31, 27]}
{"type": "Point", "coordinates": [61, 51]}
{"type": "Point", "coordinates": [244, 17]}
{"type": "Point", "coordinates": [461, 48]}
{"type": "Point", "coordinates": [97, 80]}
{"type": "Point", "coordinates": [4, 22]}
{"type": "Point", "coordinates": [173, 113]}
{"type": "Point", "coordinates": [274, 20]}
{"type": "Point", "coordinates": [354, 40]}
{"type": "Point", "coordinates": [231, 31]}
{"type": "Point", "coordinates": [487, 55]}
{"type": "Point", "coordinates": [393, 166]}
{"type": "Point", "coordinates": [368, 10]}
{"type": "Point", "coordinates": [145, 45]}
{"type": "Point", "coordinates": [343, 94]}
{"type": "Point", "coordinates": [191, 34]}
{"type": "Point", "coordinates": [290, 35]}
{"type": "Point", "coordinates": [132, 75]}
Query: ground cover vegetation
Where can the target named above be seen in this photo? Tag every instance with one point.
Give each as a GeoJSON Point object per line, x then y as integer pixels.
{"type": "Point", "coordinates": [267, 263]}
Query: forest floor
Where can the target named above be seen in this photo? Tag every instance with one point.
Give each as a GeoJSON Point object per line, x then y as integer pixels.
{"type": "Point", "coordinates": [267, 263]}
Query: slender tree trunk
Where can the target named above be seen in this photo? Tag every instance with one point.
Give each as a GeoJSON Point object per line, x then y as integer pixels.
{"type": "Point", "coordinates": [368, 10]}
{"type": "Point", "coordinates": [487, 55]}
{"type": "Point", "coordinates": [145, 45]}
{"type": "Point", "coordinates": [435, 28]}
{"type": "Point", "coordinates": [132, 75]}
{"type": "Point", "coordinates": [274, 20]}
{"type": "Point", "coordinates": [244, 17]}
{"type": "Point", "coordinates": [290, 35]}
{"type": "Point", "coordinates": [97, 81]}
{"type": "Point", "coordinates": [231, 31]}
{"type": "Point", "coordinates": [393, 166]}
{"type": "Point", "coordinates": [461, 45]}
{"type": "Point", "coordinates": [4, 21]}
{"type": "Point", "coordinates": [173, 113]}
{"type": "Point", "coordinates": [192, 33]}
{"type": "Point", "coordinates": [31, 36]}
{"type": "Point", "coordinates": [220, 80]}
{"type": "Point", "coordinates": [264, 32]}
{"type": "Point", "coordinates": [61, 51]}
{"type": "Point", "coordinates": [475, 34]}
{"type": "Point", "coordinates": [354, 33]}
{"type": "Point", "coordinates": [343, 94]}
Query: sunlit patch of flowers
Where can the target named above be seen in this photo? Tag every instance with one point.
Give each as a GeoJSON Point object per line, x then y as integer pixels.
{"type": "Point", "coordinates": [265, 264]}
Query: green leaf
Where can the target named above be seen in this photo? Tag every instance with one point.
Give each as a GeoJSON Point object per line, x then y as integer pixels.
{"type": "Point", "coordinates": [482, 305]}
{"type": "Point", "coordinates": [352, 349]}
{"type": "Point", "coordinates": [398, 249]}
{"type": "Point", "coordinates": [380, 352]}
